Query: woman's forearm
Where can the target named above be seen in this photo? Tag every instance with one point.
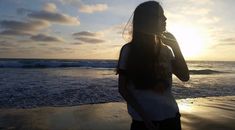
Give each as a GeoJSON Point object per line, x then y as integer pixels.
{"type": "Point", "coordinates": [180, 68]}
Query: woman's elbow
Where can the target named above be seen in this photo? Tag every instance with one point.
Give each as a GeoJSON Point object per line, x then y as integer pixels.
{"type": "Point", "coordinates": [185, 78]}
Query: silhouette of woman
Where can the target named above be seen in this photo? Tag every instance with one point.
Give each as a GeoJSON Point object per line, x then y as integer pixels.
{"type": "Point", "coordinates": [145, 69]}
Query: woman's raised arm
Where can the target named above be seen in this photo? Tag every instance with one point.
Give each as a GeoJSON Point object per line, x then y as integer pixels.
{"type": "Point", "coordinates": [179, 66]}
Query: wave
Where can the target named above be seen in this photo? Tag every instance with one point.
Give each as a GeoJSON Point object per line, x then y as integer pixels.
{"type": "Point", "coordinates": [205, 71]}
{"type": "Point", "coordinates": [106, 64]}
{"type": "Point", "coordinates": [57, 63]}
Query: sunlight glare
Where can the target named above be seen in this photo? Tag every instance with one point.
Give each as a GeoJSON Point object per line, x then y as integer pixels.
{"type": "Point", "coordinates": [185, 105]}
{"type": "Point", "coordinates": [190, 39]}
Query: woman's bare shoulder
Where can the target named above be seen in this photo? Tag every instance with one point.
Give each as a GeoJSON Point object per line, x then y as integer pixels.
{"type": "Point", "coordinates": [125, 47]}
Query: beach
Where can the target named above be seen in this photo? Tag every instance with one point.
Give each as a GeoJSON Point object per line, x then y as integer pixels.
{"type": "Point", "coordinates": [61, 61]}
{"type": "Point", "coordinates": [211, 113]}
{"type": "Point", "coordinates": [38, 94]}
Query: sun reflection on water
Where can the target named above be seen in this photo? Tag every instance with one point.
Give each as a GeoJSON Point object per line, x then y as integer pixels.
{"type": "Point", "coordinates": [185, 105]}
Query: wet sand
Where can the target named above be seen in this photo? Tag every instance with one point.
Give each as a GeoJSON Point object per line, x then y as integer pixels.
{"type": "Point", "coordinates": [214, 113]}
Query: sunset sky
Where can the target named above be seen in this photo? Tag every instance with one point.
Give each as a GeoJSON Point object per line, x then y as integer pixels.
{"type": "Point", "coordinates": [92, 29]}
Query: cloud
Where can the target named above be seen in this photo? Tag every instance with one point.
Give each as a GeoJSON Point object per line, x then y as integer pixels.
{"type": "Point", "coordinates": [109, 36]}
{"type": "Point", "coordinates": [78, 43]}
{"type": "Point", "coordinates": [228, 40]}
{"type": "Point", "coordinates": [54, 17]}
{"type": "Point", "coordinates": [85, 8]}
{"type": "Point", "coordinates": [228, 44]}
{"type": "Point", "coordinates": [209, 20]}
{"type": "Point", "coordinates": [18, 28]}
{"type": "Point", "coordinates": [45, 38]}
{"type": "Point", "coordinates": [5, 51]}
{"type": "Point", "coordinates": [61, 49]}
{"type": "Point", "coordinates": [87, 37]}
{"type": "Point", "coordinates": [195, 10]}
{"type": "Point", "coordinates": [93, 8]}
{"type": "Point", "coordinates": [49, 13]}
{"type": "Point", "coordinates": [15, 33]}
{"type": "Point", "coordinates": [4, 43]}
{"type": "Point", "coordinates": [222, 45]}
{"type": "Point", "coordinates": [85, 33]}
{"type": "Point", "coordinates": [225, 42]}
{"type": "Point", "coordinates": [50, 7]}
{"type": "Point", "coordinates": [23, 26]}
{"type": "Point", "coordinates": [122, 29]}
{"type": "Point", "coordinates": [90, 40]}
{"type": "Point", "coordinates": [181, 10]}
{"type": "Point", "coordinates": [37, 21]}
{"type": "Point", "coordinates": [201, 1]}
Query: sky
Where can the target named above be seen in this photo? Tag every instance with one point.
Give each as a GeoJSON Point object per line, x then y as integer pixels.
{"type": "Point", "coordinates": [92, 29]}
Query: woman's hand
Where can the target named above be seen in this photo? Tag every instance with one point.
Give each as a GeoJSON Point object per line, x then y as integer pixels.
{"type": "Point", "coordinates": [169, 39]}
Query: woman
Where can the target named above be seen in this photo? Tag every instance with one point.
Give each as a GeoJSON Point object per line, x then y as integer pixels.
{"type": "Point", "coordinates": [145, 70]}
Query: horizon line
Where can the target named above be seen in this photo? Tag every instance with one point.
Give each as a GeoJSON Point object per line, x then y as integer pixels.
{"type": "Point", "coordinates": [97, 59]}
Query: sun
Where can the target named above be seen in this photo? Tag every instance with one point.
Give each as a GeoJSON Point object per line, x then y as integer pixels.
{"type": "Point", "coordinates": [190, 39]}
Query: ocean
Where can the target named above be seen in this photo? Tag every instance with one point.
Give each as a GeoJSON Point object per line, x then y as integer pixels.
{"type": "Point", "coordinates": [29, 83]}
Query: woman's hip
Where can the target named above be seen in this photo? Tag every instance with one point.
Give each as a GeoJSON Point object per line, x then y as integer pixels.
{"type": "Point", "coordinates": [167, 124]}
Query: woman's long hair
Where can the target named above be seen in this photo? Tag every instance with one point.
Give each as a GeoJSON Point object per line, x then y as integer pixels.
{"type": "Point", "coordinates": [145, 46]}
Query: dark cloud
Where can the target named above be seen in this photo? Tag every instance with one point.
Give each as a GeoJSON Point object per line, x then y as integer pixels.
{"type": "Point", "coordinates": [228, 40]}
{"type": "Point", "coordinates": [77, 43]}
{"type": "Point", "coordinates": [90, 40]}
{"type": "Point", "coordinates": [4, 49]}
{"type": "Point", "coordinates": [87, 37]}
{"type": "Point", "coordinates": [19, 28]}
{"type": "Point", "coordinates": [4, 43]}
{"type": "Point", "coordinates": [225, 42]}
{"type": "Point", "coordinates": [24, 41]}
{"type": "Point", "coordinates": [50, 14]}
{"type": "Point", "coordinates": [54, 17]}
{"type": "Point", "coordinates": [23, 26]}
{"type": "Point", "coordinates": [85, 33]}
{"type": "Point", "coordinates": [61, 49]}
{"type": "Point", "coordinates": [45, 38]}
{"type": "Point", "coordinates": [36, 21]}
{"type": "Point", "coordinates": [15, 33]}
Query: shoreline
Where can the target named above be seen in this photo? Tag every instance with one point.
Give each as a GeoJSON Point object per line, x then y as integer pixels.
{"type": "Point", "coordinates": [102, 102]}
{"type": "Point", "coordinates": [209, 113]}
